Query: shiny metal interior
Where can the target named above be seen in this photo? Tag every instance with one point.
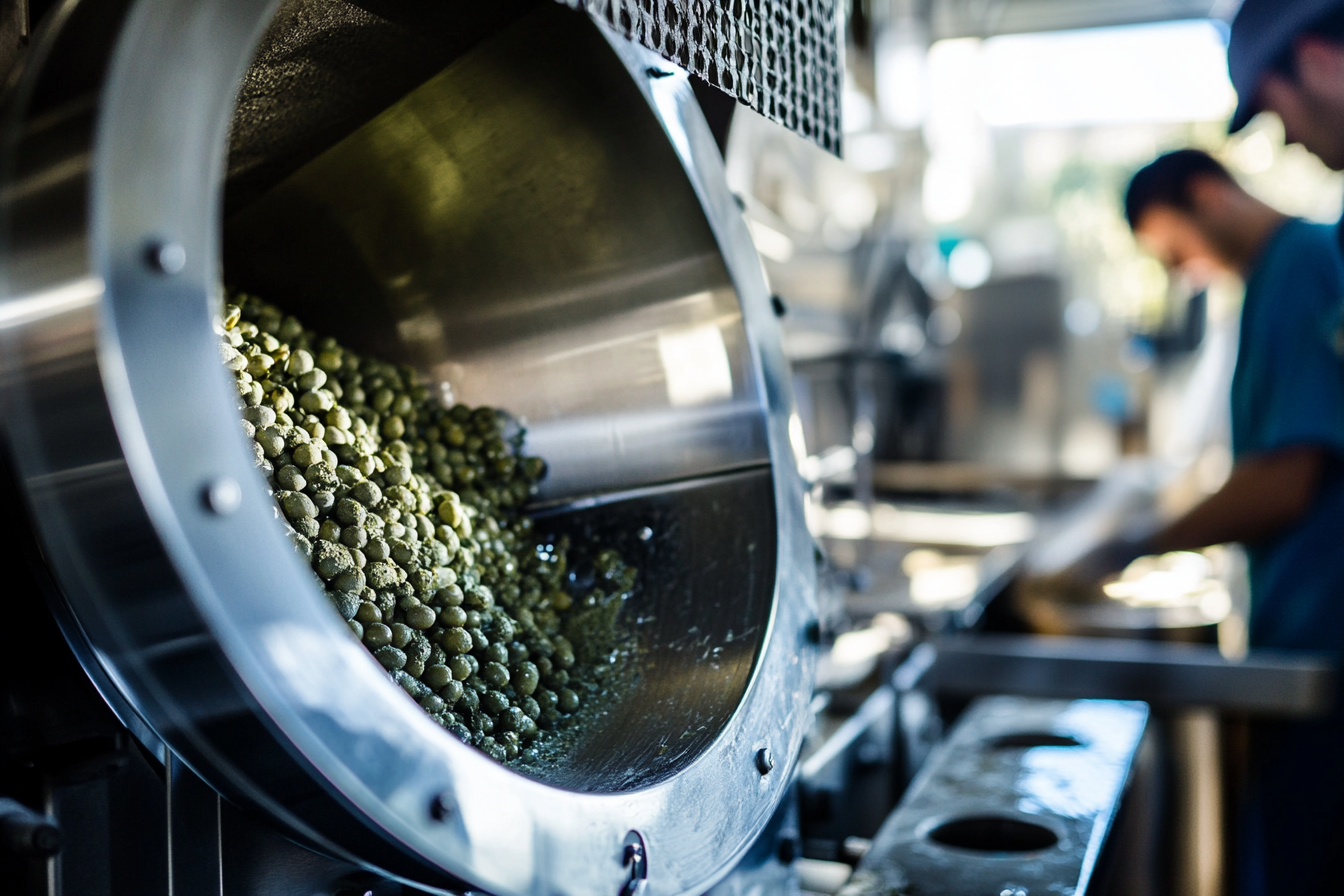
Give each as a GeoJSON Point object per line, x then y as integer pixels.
{"type": "Point", "coordinates": [543, 225]}
{"type": "Point", "coordinates": [478, 229]}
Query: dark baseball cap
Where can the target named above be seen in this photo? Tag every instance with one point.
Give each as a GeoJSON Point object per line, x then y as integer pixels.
{"type": "Point", "coordinates": [1262, 32]}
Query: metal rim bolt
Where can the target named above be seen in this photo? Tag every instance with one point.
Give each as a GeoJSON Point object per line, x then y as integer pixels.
{"type": "Point", "coordinates": [635, 857]}
{"type": "Point", "coordinates": [439, 807]}
{"type": "Point", "coordinates": [765, 760]}
{"type": "Point", "coordinates": [222, 496]}
{"type": "Point", "coordinates": [166, 257]}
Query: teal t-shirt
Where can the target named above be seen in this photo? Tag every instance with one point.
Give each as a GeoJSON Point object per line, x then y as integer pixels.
{"type": "Point", "coordinates": [1288, 390]}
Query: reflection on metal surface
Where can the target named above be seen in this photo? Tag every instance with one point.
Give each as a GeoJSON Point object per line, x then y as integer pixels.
{"type": "Point", "coordinates": [16, 312]}
{"type": "Point", "coordinates": [855, 654]}
{"type": "Point", "coordinates": [695, 366]}
{"type": "Point", "coordinates": [888, 522]}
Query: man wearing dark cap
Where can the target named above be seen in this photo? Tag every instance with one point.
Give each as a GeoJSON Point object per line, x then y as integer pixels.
{"type": "Point", "coordinates": [1287, 57]}
{"type": "Point", "coordinates": [1285, 497]}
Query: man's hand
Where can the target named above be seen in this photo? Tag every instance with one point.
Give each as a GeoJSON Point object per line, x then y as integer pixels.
{"type": "Point", "coordinates": [1110, 557]}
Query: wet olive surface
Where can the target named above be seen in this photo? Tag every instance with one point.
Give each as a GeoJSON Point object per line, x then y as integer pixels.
{"type": "Point", "coordinates": [409, 510]}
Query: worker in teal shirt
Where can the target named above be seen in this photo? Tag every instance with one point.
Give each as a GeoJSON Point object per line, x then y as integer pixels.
{"type": "Point", "coordinates": [1284, 499]}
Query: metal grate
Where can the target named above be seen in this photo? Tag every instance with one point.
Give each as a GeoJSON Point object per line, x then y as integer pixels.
{"type": "Point", "coordinates": [780, 57]}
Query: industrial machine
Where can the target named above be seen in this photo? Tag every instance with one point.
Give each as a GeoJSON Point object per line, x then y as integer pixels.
{"type": "Point", "coordinates": [531, 211]}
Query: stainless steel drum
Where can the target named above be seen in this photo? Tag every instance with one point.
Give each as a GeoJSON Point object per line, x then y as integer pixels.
{"type": "Point", "coordinates": [530, 211]}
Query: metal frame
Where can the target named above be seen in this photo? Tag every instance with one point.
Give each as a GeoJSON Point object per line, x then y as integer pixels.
{"type": "Point", "coordinates": [120, 421]}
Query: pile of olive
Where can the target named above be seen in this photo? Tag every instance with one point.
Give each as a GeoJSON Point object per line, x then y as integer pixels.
{"type": "Point", "coordinates": [409, 512]}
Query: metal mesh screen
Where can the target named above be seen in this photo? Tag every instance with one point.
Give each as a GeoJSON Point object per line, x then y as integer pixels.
{"type": "Point", "coordinates": [780, 57]}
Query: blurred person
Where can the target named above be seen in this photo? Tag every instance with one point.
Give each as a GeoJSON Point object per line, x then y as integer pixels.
{"type": "Point", "coordinates": [1284, 499]}
{"type": "Point", "coordinates": [1287, 57]}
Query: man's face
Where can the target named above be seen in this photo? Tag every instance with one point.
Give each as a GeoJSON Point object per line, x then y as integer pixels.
{"type": "Point", "coordinates": [1174, 238]}
{"type": "Point", "coordinates": [1311, 105]}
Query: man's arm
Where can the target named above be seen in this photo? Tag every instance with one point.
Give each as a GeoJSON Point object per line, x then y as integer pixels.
{"type": "Point", "coordinates": [1264, 495]}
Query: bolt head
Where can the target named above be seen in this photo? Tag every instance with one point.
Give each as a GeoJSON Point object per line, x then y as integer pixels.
{"type": "Point", "coordinates": [439, 807]}
{"type": "Point", "coordinates": [222, 496]}
{"type": "Point", "coordinates": [166, 257]}
{"type": "Point", "coordinates": [765, 760]}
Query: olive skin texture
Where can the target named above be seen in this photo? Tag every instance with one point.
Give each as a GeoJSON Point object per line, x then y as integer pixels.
{"type": "Point", "coordinates": [410, 515]}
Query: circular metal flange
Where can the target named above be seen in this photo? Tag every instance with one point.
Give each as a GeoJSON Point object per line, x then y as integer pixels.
{"type": "Point", "coordinates": [122, 427]}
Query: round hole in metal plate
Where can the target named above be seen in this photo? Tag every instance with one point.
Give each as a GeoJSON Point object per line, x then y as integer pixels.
{"type": "Point", "coordinates": [1027, 739]}
{"type": "Point", "coordinates": [994, 833]}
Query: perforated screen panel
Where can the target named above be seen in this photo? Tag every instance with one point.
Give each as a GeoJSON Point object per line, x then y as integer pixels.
{"type": "Point", "coordinates": [780, 57]}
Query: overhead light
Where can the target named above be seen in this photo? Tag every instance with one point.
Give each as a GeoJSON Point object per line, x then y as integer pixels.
{"type": "Point", "coordinates": [1169, 71]}
{"type": "Point", "coordinates": [900, 61]}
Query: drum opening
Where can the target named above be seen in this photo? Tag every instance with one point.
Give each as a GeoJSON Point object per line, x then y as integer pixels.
{"type": "Point", "coordinates": [485, 195]}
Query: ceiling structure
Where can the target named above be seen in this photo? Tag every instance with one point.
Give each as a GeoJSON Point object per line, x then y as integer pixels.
{"type": "Point", "coordinates": [986, 18]}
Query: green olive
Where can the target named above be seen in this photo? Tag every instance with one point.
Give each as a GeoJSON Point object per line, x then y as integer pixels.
{"type": "Point", "coordinates": [313, 379]}
{"type": "Point", "coordinates": [350, 512]}
{"type": "Point", "coordinates": [437, 676]}
{"type": "Point", "coordinates": [345, 602]}
{"type": "Point", "coordinates": [350, 581]}
{"type": "Point", "coordinates": [526, 678]}
{"type": "Point", "coordinates": [450, 596]}
{"type": "Point", "coordinates": [390, 657]}
{"type": "Point", "coordinates": [298, 506]}
{"type": "Point", "coordinates": [569, 701]}
{"type": "Point", "coordinates": [355, 537]}
{"type": "Point", "coordinates": [456, 641]}
{"type": "Point", "coordinates": [458, 665]}
{"type": "Point", "coordinates": [377, 635]}
{"type": "Point", "coordinates": [495, 674]}
{"type": "Point", "coordinates": [421, 617]}
{"type": "Point", "coordinates": [494, 702]}
{"type": "Point", "coordinates": [367, 493]}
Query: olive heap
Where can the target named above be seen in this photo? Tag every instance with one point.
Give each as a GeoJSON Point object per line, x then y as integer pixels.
{"type": "Point", "coordinates": [410, 515]}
